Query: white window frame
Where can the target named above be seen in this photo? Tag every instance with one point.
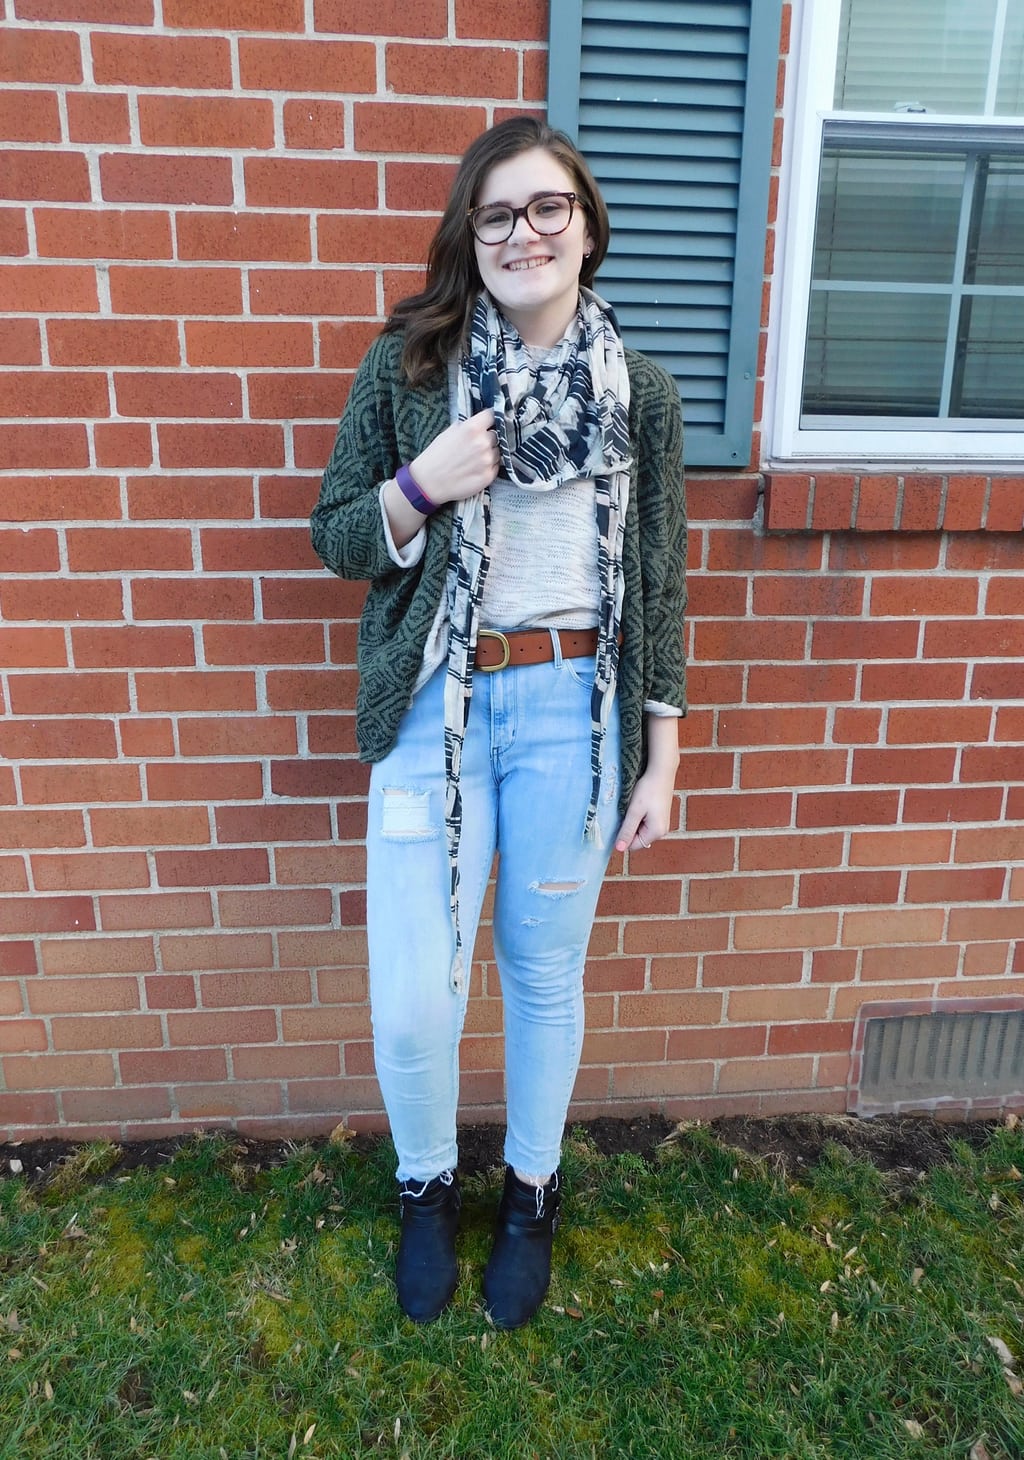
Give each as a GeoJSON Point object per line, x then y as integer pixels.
{"type": "Point", "coordinates": [808, 106]}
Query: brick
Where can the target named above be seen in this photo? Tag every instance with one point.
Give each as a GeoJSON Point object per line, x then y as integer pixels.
{"type": "Point", "coordinates": [986, 924]}
{"type": "Point", "coordinates": [175, 291]}
{"type": "Point", "coordinates": [65, 599]}
{"type": "Point", "coordinates": [748, 1006]}
{"type": "Point", "coordinates": [769, 768]}
{"type": "Point", "coordinates": [330, 865]}
{"type": "Point", "coordinates": [286, 1062]}
{"type": "Point", "coordinates": [682, 1079]}
{"type": "Point", "coordinates": [218, 866]}
{"type": "Point", "coordinates": [190, 498]}
{"type": "Point", "coordinates": [21, 343]}
{"type": "Point", "coordinates": [79, 785]}
{"type": "Point", "coordinates": [877, 503]}
{"type": "Point", "coordinates": [132, 645]}
{"type": "Point", "coordinates": [35, 830]}
{"type": "Point", "coordinates": [98, 117]}
{"type": "Point", "coordinates": [792, 1073]}
{"type": "Point", "coordinates": [349, 986]}
{"type": "Point", "coordinates": [806, 597]}
{"type": "Point", "coordinates": [900, 553]}
{"type": "Point", "coordinates": [922, 503]}
{"type": "Point", "coordinates": [913, 681]}
{"type": "Point", "coordinates": [1005, 595]}
{"type": "Point", "coordinates": [57, 739]}
{"type": "Point", "coordinates": [123, 445]}
{"type": "Point", "coordinates": [733, 970]}
{"type": "Point", "coordinates": [241, 735]}
{"type": "Point", "coordinates": [638, 896]}
{"type": "Point", "coordinates": [249, 343]}
{"type": "Point", "coordinates": [311, 445]}
{"type": "Point", "coordinates": [322, 949]}
{"type": "Point", "coordinates": [771, 853]}
{"type": "Point", "coordinates": [535, 88]}
{"type": "Point", "coordinates": [716, 595]}
{"type": "Point", "coordinates": [198, 122]}
{"type": "Point", "coordinates": [254, 989]}
{"type": "Point", "coordinates": [736, 810]}
{"type": "Point", "coordinates": [75, 693]}
{"type": "Point", "coordinates": [391, 238]}
{"type": "Point", "coordinates": [900, 847]}
{"type": "Point", "coordinates": [55, 393]}
{"type": "Point", "coordinates": [965, 504]}
{"type": "Point", "coordinates": [446, 70]}
{"type": "Point", "coordinates": [801, 683]}
{"type": "Point", "coordinates": [737, 550]}
{"type": "Point", "coordinates": [953, 804]}
{"type": "Point", "coordinates": [40, 56]}
{"type": "Point", "coordinates": [14, 242]}
{"type": "Point", "coordinates": [846, 808]}
{"type": "Point", "coordinates": [323, 597]}
{"type": "Point", "coordinates": [116, 1105]}
{"type": "Point", "coordinates": [716, 1043]}
{"type": "Point", "coordinates": [130, 177]}
{"type": "Point", "coordinates": [786, 930]}
{"type": "Point", "coordinates": [414, 127]}
{"type": "Point", "coordinates": [420, 187]}
{"type": "Point", "coordinates": [294, 182]}
{"type": "Point", "coordinates": [230, 445]}
{"type": "Point", "coordinates": [106, 12]}
{"type": "Point", "coordinates": [155, 910]}
{"type": "Point", "coordinates": [984, 552]}
{"type": "Point", "coordinates": [728, 894]}
{"type": "Point", "coordinates": [154, 1067]}
{"type": "Point", "coordinates": [98, 956]}
{"type": "Point", "coordinates": [196, 394]}
{"type": "Point", "coordinates": [171, 992]}
{"type": "Point", "coordinates": [30, 552]}
{"type": "Point", "coordinates": [336, 733]}
{"type": "Point", "coordinates": [310, 689]}
{"type": "Point", "coordinates": [82, 995]}
{"type": "Point", "coordinates": [911, 961]}
{"type": "Point", "coordinates": [90, 871]}
{"type": "Point", "coordinates": [856, 727]}
{"type": "Point", "coordinates": [316, 393]}
{"type": "Point", "coordinates": [313, 124]}
{"type": "Point", "coordinates": [956, 884]}
{"type": "Point", "coordinates": [902, 765]}
{"type": "Point", "coordinates": [37, 1112]}
{"type": "Point", "coordinates": [661, 1010]}
{"type": "Point", "coordinates": [832, 503]}
{"type": "Point", "coordinates": [149, 826]}
{"type": "Point", "coordinates": [160, 598]}
{"type": "Point", "coordinates": [1009, 723]}
{"type": "Point", "coordinates": [479, 20]}
{"type": "Point", "coordinates": [725, 639]}
{"type": "Point", "coordinates": [216, 1102]}
{"type": "Point", "coordinates": [146, 737]}
{"type": "Point", "coordinates": [306, 778]}
{"type": "Point", "coordinates": [810, 1038]}
{"type": "Point", "coordinates": [205, 690]}
{"type": "Point", "coordinates": [924, 596]}
{"type": "Point", "coordinates": [1005, 505]}
{"type": "Point", "coordinates": [382, 17]}
{"type": "Point", "coordinates": [126, 549]}
{"type": "Point", "coordinates": [17, 1036]}
{"type": "Point", "coordinates": [319, 291]}
{"type": "Point", "coordinates": [18, 959]}
{"type": "Point", "coordinates": [234, 781]}
{"type": "Point", "coordinates": [927, 725]}
{"type": "Point", "coordinates": [859, 641]}
{"type": "Point", "coordinates": [147, 61]}
{"type": "Point", "coordinates": [803, 726]}
{"type": "Point", "coordinates": [985, 958]}
{"type": "Point", "coordinates": [273, 823]}
{"type": "Point", "coordinates": [58, 1071]}
{"type": "Point", "coordinates": [997, 681]}
{"type": "Point", "coordinates": [216, 950]}
{"type": "Point", "coordinates": [833, 965]}
{"type": "Point", "coordinates": [243, 236]}
{"type": "Point", "coordinates": [307, 65]}
{"type": "Point", "coordinates": [992, 763]}
{"type": "Point", "coordinates": [13, 877]}
{"type": "Point", "coordinates": [309, 1026]}
{"type": "Point", "coordinates": [112, 342]}
{"type": "Point", "coordinates": [29, 116]}
{"type": "Point", "coordinates": [32, 648]}
{"type": "Point", "coordinates": [867, 929]}
{"type": "Point", "coordinates": [839, 889]}
{"type": "Point", "coordinates": [32, 289]}
{"type": "Point", "coordinates": [975, 639]}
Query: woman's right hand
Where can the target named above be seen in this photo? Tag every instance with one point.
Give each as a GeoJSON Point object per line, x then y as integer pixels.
{"type": "Point", "coordinates": [459, 463]}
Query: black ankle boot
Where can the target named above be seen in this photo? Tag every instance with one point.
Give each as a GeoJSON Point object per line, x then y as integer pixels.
{"type": "Point", "coordinates": [427, 1271]}
{"type": "Point", "coordinates": [518, 1273]}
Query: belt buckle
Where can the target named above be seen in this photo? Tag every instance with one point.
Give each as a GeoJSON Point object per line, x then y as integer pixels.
{"type": "Point", "coordinates": [506, 647]}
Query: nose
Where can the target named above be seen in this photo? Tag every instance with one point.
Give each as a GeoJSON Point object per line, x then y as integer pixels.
{"type": "Point", "coordinates": [521, 230]}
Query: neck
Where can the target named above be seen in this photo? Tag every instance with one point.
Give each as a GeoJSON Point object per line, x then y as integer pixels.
{"type": "Point", "coordinates": [541, 330]}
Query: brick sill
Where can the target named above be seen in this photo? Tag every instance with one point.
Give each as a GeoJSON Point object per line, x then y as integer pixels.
{"type": "Point", "coordinates": [905, 502]}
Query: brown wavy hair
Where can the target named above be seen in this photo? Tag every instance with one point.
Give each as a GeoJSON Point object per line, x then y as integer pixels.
{"type": "Point", "coordinates": [436, 321]}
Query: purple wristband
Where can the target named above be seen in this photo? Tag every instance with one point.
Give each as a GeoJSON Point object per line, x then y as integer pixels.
{"type": "Point", "coordinates": [412, 493]}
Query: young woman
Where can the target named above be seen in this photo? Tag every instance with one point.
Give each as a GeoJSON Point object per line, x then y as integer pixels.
{"type": "Point", "coordinates": [509, 479]}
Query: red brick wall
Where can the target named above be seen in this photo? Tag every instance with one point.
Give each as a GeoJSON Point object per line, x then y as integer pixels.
{"type": "Point", "coordinates": [203, 224]}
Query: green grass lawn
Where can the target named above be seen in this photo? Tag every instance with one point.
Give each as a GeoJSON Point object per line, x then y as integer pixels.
{"type": "Point", "coordinates": [703, 1305]}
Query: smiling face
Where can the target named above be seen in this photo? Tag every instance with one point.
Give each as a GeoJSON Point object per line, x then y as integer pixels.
{"type": "Point", "coordinates": [533, 280]}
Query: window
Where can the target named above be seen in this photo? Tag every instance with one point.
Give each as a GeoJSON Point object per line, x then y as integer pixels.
{"type": "Point", "coordinates": [902, 303]}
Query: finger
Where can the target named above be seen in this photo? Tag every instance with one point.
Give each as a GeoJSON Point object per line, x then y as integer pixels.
{"type": "Point", "coordinates": [627, 833]}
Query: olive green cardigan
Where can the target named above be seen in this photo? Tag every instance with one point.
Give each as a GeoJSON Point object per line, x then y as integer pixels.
{"type": "Point", "coordinates": [387, 422]}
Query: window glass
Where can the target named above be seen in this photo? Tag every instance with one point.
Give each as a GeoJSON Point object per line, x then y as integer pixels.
{"type": "Point", "coordinates": [993, 361]}
{"type": "Point", "coordinates": [875, 354]}
{"type": "Point", "coordinates": [915, 55]}
{"type": "Point", "coordinates": [998, 256]}
{"type": "Point", "coordinates": [1011, 71]}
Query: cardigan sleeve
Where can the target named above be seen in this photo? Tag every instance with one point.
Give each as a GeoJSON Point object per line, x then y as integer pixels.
{"type": "Point", "coordinates": [346, 524]}
{"type": "Point", "coordinates": [661, 498]}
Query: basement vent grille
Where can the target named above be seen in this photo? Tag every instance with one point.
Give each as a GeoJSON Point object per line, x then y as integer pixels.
{"type": "Point", "coordinates": [931, 1059]}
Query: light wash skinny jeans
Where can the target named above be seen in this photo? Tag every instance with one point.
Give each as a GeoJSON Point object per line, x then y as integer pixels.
{"type": "Point", "coordinates": [525, 784]}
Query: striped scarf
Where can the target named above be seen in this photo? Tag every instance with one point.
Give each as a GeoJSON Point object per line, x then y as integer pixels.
{"type": "Point", "coordinates": [566, 420]}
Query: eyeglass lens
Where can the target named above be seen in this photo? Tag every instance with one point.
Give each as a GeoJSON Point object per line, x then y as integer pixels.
{"type": "Point", "coordinates": [546, 215]}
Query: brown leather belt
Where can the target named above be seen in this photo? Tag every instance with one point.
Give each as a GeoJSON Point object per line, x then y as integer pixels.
{"type": "Point", "coordinates": [495, 650]}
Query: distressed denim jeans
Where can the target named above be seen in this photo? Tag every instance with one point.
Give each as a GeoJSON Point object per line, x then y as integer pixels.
{"type": "Point", "coordinates": [525, 784]}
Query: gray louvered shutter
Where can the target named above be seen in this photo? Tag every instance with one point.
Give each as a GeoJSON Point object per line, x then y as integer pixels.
{"type": "Point", "coordinates": [672, 104]}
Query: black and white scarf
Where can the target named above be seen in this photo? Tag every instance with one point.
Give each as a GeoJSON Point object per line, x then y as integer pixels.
{"type": "Point", "coordinates": [564, 420]}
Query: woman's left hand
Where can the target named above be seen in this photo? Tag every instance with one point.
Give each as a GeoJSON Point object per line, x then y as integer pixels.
{"type": "Point", "coordinates": [649, 814]}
